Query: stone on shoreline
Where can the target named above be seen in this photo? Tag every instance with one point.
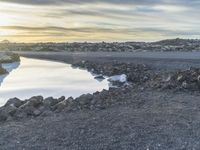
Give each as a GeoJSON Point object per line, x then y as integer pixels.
{"type": "Point", "coordinates": [7, 57]}
{"type": "Point", "coordinates": [2, 70]}
{"type": "Point", "coordinates": [16, 109]}
{"type": "Point", "coordinates": [15, 102]}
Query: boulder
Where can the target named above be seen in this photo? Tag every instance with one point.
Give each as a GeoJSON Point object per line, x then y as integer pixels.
{"type": "Point", "coordinates": [62, 98]}
{"type": "Point", "coordinates": [84, 99]}
{"type": "Point", "coordinates": [3, 116]}
{"type": "Point", "coordinates": [99, 78]}
{"type": "Point", "coordinates": [35, 101]}
{"type": "Point", "coordinates": [11, 110]}
{"type": "Point", "coordinates": [60, 106]}
{"type": "Point", "coordinates": [26, 110]}
{"type": "Point", "coordinates": [14, 102]}
{"type": "Point", "coordinates": [50, 101]}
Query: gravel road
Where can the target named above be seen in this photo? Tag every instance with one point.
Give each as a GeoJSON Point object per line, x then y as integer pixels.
{"type": "Point", "coordinates": [159, 60]}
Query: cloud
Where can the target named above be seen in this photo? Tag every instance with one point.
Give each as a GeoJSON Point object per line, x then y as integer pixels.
{"type": "Point", "coordinates": [52, 30]}
{"type": "Point", "coordinates": [99, 19]}
{"type": "Point", "coordinates": [188, 3]}
{"type": "Point", "coordinates": [59, 2]}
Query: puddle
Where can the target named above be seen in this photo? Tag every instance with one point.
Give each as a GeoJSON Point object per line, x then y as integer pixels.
{"type": "Point", "coordinates": [34, 77]}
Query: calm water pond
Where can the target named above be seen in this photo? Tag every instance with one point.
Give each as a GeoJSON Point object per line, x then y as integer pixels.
{"type": "Point", "coordinates": [47, 78]}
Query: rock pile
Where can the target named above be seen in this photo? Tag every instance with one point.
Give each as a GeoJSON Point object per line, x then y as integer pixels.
{"type": "Point", "coordinates": [16, 109]}
{"type": "Point", "coordinates": [137, 73]}
{"type": "Point", "coordinates": [187, 79]}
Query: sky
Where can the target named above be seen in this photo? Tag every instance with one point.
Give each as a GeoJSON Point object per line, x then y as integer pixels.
{"type": "Point", "coordinates": [98, 20]}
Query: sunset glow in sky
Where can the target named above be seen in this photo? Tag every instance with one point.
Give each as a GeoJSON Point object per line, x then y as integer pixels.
{"type": "Point", "coordinates": [98, 20]}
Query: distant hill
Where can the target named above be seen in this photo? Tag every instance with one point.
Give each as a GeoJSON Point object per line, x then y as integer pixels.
{"type": "Point", "coordinates": [177, 42]}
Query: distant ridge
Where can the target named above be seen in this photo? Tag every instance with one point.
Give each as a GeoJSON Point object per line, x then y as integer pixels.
{"type": "Point", "coordinates": [177, 42]}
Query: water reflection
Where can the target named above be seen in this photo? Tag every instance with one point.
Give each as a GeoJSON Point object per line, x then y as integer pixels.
{"type": "Point", "coordinates": [47, 78]}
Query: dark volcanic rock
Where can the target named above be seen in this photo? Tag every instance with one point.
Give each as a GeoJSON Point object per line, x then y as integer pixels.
{"type": "Point", "coordinates": [36, 106]}
{"type": "Point", "coordinates": [65, 104]}
{"type": "Point", "coordinates": [50, 101]}
{"type": "Point", "coordinates": [136, 73]}
{"type": "Point", "coordinates": [15, 102]}
{"type": "Point", "coordinates": [187, 79]}
{"type": "Point", "coordinates": [35, 101]}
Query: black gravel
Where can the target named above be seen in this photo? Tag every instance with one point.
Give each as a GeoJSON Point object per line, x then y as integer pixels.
{"type": "Point", "coordinates": [158, 113]}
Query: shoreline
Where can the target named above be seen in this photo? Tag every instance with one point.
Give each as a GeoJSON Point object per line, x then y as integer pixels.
{"type": "Point", "coordinates": [160, 106]}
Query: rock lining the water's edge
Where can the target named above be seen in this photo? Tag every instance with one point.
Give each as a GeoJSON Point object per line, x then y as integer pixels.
{"type": "Point", "coordinates": [136, 73]}
{"type": "Point", "coordinates": [7, 57]}
{"type": "Point", "coordinates": [36, 106]}
{"type": "Point", "coordinates": [2, 70]}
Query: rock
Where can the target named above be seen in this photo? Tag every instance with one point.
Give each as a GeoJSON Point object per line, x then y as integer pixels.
{"type": "Point", "coordinates": [99, 78]}
{"type": "Point", "coordinates": [70, 100]}
{"type": "Point", "coordinates": [15, 102]}
{"type": "Point", "coordinates": [50, 101]}
{"type": "Point", "coordinates": [185, 85]}
{"type": "Point", "coordinates": [36, 112]}
{"type": "Point", "coordinates": [11, 110]}
{"type": "Point", "coordinates": [85, 99]}
{"type": "Point", "coordinates": [62, 98]}
{"type": "Point", "coordinates": [7, 112]}
{"type": "Point", "coordinates": [118, 78]}
{"type": "Point", "coordinates": [35, 101]}
{"type": "Point", "coordinates": [180, 78]}
{"type": "Point", "coordinates": [187, 79]}
{"type": "Point", "coordinates": [3, 116]}
{"type": "Point", "coordinates": [26, 110]}
{"type": "Point", "coordinates": [60, 106]}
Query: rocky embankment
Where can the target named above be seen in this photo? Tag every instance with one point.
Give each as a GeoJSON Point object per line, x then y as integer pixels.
{"type": "Point", "coordinates": [16, 109]}
{"type": "Point", "coordinates": [136, 73]}
{"type": "Point", "coordinates": [7, 57]}
{"type": "Point", "coordinates": [182, 80]}
{"type": "Point", "coordinates": [139, 77]}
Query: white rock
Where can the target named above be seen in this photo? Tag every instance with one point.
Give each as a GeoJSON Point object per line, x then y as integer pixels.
{"type": "Point", "coordinates": [119, 78]}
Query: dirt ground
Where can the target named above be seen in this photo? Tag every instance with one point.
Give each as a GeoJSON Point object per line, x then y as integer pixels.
{"type": "Point", "coordinates": [143, 119]}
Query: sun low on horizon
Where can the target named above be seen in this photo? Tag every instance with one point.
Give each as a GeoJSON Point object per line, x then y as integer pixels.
{"type": "Point", "coordinates": [98, 20]}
